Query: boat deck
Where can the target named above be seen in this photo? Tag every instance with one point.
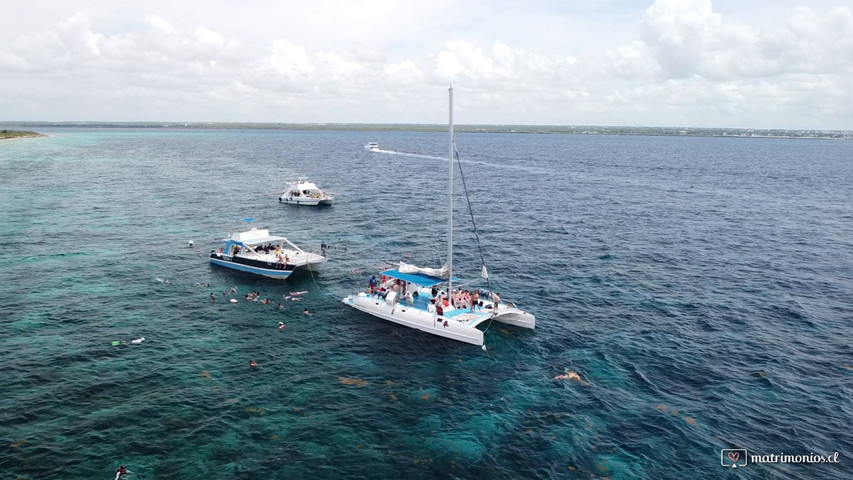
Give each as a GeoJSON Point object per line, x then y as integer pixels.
{"type": "Point", "coordinates": [294, 257]}
{"type": "Point", "coordinates": [422, 302]}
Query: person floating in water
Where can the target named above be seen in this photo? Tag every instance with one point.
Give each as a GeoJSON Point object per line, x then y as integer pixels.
{"type": "Point", "coordinates": [253, 364]}
{"type": "Point", "coordinates": [569, 375]}
{"type": "Point", "coordinates": [121, 472]}
{"type": "Point", "coordinates": [280, 325]}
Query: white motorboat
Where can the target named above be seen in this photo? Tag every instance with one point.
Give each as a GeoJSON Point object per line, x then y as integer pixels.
{"type": "Point", "coordinates": [256, 251]}
{"type": "Point", "coordinates": [372, 146]}
{"type": "Point", "coordinates": [409, 295]}
{"type": "Point", "coordinates": [303, 192]}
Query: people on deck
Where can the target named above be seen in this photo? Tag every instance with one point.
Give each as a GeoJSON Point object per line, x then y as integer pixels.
{"type": "Point", "coordinates": [475, 300]}
{"type": "Point", "coordinates": [371, 285]}
{"type": "Point", "coordinates": [439, 305]}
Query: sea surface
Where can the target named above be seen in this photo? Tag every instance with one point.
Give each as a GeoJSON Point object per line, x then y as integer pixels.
{"type": "Point", "coordinates": [702, 289]}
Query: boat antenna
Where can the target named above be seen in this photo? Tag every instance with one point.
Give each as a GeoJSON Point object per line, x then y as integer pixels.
{"type": "Point", "coordinates": [450, 201]}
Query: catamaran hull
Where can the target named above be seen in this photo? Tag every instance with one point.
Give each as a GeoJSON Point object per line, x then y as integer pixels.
{"type": "Point", "coordinates": [515, 317]}
{"type": "Point", "coordinates": [415, 318]}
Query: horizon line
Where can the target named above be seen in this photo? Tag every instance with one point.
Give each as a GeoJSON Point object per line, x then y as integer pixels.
{"type": "Point", "coordinates": [520, 128]}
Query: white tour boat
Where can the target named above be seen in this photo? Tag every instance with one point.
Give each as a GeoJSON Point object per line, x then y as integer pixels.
{"type": "Point", "coordinates": [303, 192]}
{"type": "Point", "coordinates": [407, 295]}
{"type": "Point", "coordinates": [256, 251]}
{"type": "Point", "coordinates": [372, 146]}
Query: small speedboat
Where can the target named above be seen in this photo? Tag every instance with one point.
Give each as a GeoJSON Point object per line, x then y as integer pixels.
{"type": "Point", "coordinates": [372, 147]}
{"type": "Point", "coordinates": [256, 251]}
{"type": "Point", "coordinates": [303, 192]}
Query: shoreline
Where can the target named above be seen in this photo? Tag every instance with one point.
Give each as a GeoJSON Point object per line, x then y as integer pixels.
{"type": "Point", "coordinates": [6, 135]}
{"type": "Point", "coordinates": [779, 133]}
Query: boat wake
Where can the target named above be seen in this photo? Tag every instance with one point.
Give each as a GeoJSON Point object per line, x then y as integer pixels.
{"type": "Point", "coordinates": [406, 154]}
{"type": "Point", "coordinates": [473, 162]}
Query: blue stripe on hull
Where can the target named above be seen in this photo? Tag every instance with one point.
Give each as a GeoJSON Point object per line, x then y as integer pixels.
{"type": "Point", "coordinates": [258, 271]}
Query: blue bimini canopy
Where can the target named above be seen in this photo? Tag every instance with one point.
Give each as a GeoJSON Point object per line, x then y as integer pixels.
{"type": "Point", "coordinates": [416, 278]}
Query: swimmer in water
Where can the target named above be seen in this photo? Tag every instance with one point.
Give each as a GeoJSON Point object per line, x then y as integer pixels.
{"type": "Point", "coordinates": [280, 326]}
{"type": "Point", "coordinates": [253, 364]}
{"type": "Point", "coordinates": [569, 375]}
{"type": "Point", "coordinates": [121, 472]}
{"type": "Point", "coordinates": [212, 297]}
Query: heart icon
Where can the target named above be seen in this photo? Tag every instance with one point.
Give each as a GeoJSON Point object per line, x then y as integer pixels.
{"type": "Point", "coordinates": [733, 456]}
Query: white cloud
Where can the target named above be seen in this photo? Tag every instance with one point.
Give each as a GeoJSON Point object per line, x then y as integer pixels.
{"type": "Point", "coordinates": [687, 38]}
{"type": "Point", "coordinates": [289, 60]}
{"type": "Point", "coordinates": [340, 68]}
{"type": "Point", "coordinates": [403, 73]}
{"type": "Point", "coordinates": [503, 67]}
{"type": "Point", "coordinates": [692, 62]}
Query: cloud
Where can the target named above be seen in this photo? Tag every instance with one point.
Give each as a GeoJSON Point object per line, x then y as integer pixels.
{"type": "Point", "coordinates": [686, 38]}
{"type": "Point", "coordinates": [692, 65]}
{"type": "Point", "coordinates": [503, 67]}
{"type": "Point", "coordinates": [289, 60]}
{"type": "Point", "coordinates": [677, 60]}
{"type": "Point", "coordinates": [71, 42]}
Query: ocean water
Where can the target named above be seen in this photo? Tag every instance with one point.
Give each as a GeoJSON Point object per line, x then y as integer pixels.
{"type": "Point", "coordinates": [702, 288]}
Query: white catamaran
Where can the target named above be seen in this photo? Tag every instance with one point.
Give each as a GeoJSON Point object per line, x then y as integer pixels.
{"type": "Point", "coordinates": [424, 298]}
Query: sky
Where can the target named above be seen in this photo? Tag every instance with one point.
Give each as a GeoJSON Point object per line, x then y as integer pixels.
{"type": "Point", "coordinates": [670, 63]}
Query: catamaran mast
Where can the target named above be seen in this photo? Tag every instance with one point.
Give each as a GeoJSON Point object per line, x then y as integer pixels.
{"type": "Point", "coordinates": [450, 208]}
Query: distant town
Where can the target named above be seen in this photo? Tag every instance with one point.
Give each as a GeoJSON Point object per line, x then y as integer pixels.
{"type": "Point", "coordinates": [523, 129]}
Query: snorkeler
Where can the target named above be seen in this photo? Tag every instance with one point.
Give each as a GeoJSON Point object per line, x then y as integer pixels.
{"type": "Point", "coordinates": [569, 375]}
{"type": "Point", "coordinates": [121, 472]}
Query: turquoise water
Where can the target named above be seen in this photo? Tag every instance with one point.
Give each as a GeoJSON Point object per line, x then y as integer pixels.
{"type": "Point", "coordinates": [701, 287]}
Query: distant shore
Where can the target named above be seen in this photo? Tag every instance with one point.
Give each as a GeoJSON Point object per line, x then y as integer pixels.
{"type": "Point", "coordinates": [522, 129]}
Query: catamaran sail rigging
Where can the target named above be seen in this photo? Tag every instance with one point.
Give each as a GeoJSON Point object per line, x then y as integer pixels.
{"type": "Point", "coordinates": [447, 320]}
